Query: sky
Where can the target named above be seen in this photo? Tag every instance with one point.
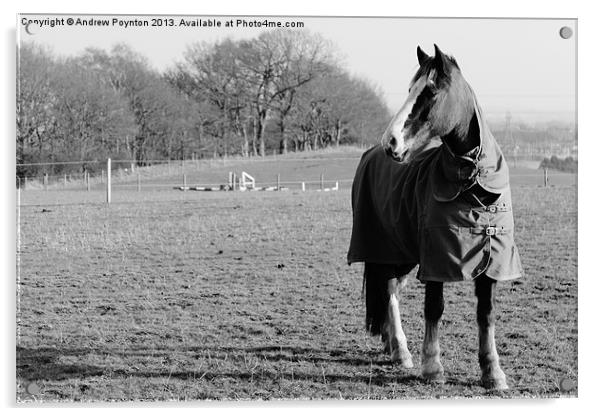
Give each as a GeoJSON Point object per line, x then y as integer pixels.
{"type": "Point", "coordinates": [517, 67]}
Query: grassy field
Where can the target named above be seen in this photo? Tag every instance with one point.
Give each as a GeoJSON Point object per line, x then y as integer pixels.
{"type": "Point", "coordinates": [169, 295]}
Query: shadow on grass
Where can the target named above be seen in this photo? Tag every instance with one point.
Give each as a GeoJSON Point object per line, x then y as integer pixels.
{"type": "Point", "coordinates": [47, 363]}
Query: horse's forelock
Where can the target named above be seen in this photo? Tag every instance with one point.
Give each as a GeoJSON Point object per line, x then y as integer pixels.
{"type": "Point", "coordinates": [430, 64]}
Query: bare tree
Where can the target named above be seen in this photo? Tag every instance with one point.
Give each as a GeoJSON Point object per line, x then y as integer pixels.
{"type": "Point", "coordinates": [91, 118]}
{"type": "Point", "coordinates": [209, 75]}
{"type": "Point", "coordinates": [163, 117]}
{"type": "Point", "coordinates": [338, 108]}
{"type": "Point", "coordinates": [275, 65]}
{"type": "Point", "coordinates": [35, 100]}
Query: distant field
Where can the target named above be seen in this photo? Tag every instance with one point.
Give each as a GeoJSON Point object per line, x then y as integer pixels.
{"type": "Point", "coordinates": [294, 168]}
{"type": "Point", "coordinates": [170, 295]}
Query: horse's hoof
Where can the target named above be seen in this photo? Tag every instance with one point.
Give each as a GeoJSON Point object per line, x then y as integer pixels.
{"type": "Point", "coordinates": [494, 383]}
{"type": "Point", "coordinates": [407, 363]}
{"type": "Point", "coordinates": [434, 378]}
{"type": "Point", "coordinates": [437, 378]}
{"type": "Point", "coordinates": [404, 359]}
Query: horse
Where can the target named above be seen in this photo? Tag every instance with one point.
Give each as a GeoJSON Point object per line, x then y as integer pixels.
{"type": "Point", "coordinates": [434, 194]}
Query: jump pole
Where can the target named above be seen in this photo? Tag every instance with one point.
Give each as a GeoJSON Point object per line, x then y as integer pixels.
{"type": "Point", "coordinates": [108, 180]}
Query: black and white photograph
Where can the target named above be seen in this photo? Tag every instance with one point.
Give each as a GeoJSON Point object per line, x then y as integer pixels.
{"type": "Point", "coordinates": [234, 208]}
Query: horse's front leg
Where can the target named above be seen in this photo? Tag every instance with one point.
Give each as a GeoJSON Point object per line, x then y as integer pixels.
{"type": "Point", "coordinates": [432, 370]}
{"type": "Point", "coordinates": [393, 336]}
{"type": "Point", "coordinates": [492, 375]}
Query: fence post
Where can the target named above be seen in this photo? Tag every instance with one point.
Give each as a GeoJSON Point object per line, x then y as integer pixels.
{"type": "Point", "coordinates": [545, 177]}
{"type": "Point", "coordinates": [88, 181]}
{"type": "Point", "coordinates": [45, 181]}
{"type": "Point", "coordinates": [108, 180]}
{"type": "Point", "coordinates": [321, 181]}
{"type": "Point", "coordinates": [303, 186]}
{"type": "Point", "coordinates": [138, 181]}
{"type": "Point", "coordinates": [65, 180]}
{"type": "Point", "coordinates": [278, 182]}
{"type": "Point", "coordinates": [184, 181]}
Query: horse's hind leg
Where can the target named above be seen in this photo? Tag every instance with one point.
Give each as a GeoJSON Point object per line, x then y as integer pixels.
{"type": "Point", "coordinates": [492, 375]}
{"type": "Point", "coordinates": [382, 288]}
{"type": "Point", "coordinates": [432, 370]}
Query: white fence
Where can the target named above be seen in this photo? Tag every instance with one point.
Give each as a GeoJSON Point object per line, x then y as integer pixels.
{"type": "Point", "coordinates": [110, 178]}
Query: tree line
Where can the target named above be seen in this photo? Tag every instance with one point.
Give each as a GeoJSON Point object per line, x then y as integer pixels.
{"type": "Point", "coordinates": [278, 92]}
{"type": "Point", "coordinates": [568, 164]}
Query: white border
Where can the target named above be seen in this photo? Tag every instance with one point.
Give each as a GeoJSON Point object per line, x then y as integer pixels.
{"type": "Point", "coordinates": [589, 154]}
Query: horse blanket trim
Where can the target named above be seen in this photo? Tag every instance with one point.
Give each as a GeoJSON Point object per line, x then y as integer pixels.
{"type": "Point", "coordinates": [421, 213]}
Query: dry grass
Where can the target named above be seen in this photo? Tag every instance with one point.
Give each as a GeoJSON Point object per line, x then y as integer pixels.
{"type": "Point", "coordinates": [187, 296]}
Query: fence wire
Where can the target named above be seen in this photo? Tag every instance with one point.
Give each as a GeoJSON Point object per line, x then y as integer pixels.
{"type": "Point", "coordinates": [127, 174]}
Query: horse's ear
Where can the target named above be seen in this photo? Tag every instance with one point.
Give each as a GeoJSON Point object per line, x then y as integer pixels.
{"type": "Point", "coordinates": [441, 61]}
{"type": "Point", "coordinates": [421, 55]}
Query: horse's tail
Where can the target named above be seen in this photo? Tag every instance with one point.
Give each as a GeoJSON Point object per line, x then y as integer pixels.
{"type": "Point", "coordinates": [375, 293]}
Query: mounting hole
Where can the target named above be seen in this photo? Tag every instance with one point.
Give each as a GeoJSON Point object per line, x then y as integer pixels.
{"type": "Point", "coordinates": [33, 389]}
{"type": "Point", "coordinates": [566, 32]}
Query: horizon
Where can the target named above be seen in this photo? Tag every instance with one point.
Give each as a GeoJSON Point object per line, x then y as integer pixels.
{"type": "Point", "coordinates": [541, 89]}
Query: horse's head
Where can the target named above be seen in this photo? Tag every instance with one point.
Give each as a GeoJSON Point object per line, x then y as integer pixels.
{"type": "Point", "coordinates": [439, 105]}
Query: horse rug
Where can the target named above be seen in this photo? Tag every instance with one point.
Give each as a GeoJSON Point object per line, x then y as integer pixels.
{"type": "Point", "coordinates": [425, 213]}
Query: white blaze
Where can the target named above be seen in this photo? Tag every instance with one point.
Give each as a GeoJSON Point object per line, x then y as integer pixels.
{"type": "Point", "coordinates": [395, 129]}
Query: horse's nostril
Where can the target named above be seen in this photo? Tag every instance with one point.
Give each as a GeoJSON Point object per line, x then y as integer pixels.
{"type": "Point", "coordinates": [392, 141]}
